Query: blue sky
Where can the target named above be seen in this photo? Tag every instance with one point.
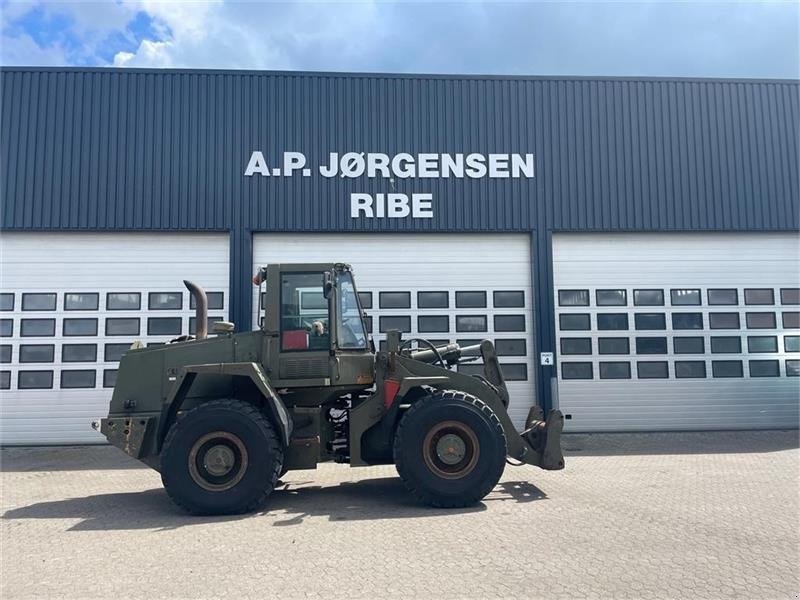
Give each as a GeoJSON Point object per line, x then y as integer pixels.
{"type": "Point", "coordinates": [705, 39]}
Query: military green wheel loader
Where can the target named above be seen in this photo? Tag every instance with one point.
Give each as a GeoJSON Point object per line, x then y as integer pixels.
{"type": "Point", "coordinates": [222, 417]}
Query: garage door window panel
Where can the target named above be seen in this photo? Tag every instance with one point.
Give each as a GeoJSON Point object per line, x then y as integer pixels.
{"type": "Point", "coordinates": [613, 345]}
{"type": "Point", "coordinates": [165, 300]}
{"type": "Point", "coordinates": [791, 320]}
{"type": "Point", "coordinates": [5, 353]}
{"type": "Point", "coordinates": [690, 369]}
{"type": "Point", "coordinates": [433, 300]}
{"type": "Point", "coordinates": [762, 343]}
{"type": "Point", "coordinates": [368, 323]}
{"type": "Point", "coordinates": [723, 320]}
{"type": "Point", "coordinates": [615, 370]}
{"type": "Point", "coordinates": [79, 353]}
{"type": "Point", "coordinates": [574, 322]}
{"type": "Point", "coordinates": [611, 297]}
{"type": "Point", "coordinates": [164, 326]}
{"type": "Point", "coordinates": [652, 370]}
{"type": "Point", "coordinates": [650, 321]}
{"type": "Point", "coordinates": [681, 321]}
{"type": "Point", "coordinates": [688, 345]}
{"type": "Point", "coordinates": [394, 299]}
{"type": "Point", "coordinates": [216, 301]}
{"type": "Point", "coordinates": [401, 323]}
{"type": "Point", "coordinates": [791, 343]}
{"type": "Point", "coordinates": [470, 369]}
{"type": "Point", "coordinates": [114, 352]}
{"type": "Point", "coordinates": [648, 297]}
{"type": "Point", "coordinates": [123, 301]}
{"type": "Point", "coordinates": [473, 342]}
{"type": "Point", "coordinates": [122, 326]}
{"type": "Point", "coordinates": [764, 368]}
{"type": "Point", "coordinates": [39, 301]}
{"type": "Point", "coordinates": [514, 371]}
{"type": "Point", "coordinates": [760, 320]}
{"type": "Point", "coordinates": [726, 344]}
{"type": "Point", "coordinates": [503, 323]}
{"type": "Point", "coordinates": [6, 302]}
{"type": "Point", "coordinates": [37, 353]}
{"type": "Point", "coordinates": [471, 299]}
{"type": "Point", "coordinates": [651, 345]}
{"type": "Point", "coordinates": [35, 380]}
{"type": "Point", "coordinates": [509, 299]}
{"type": "Point", "coordinates": [468, 323]}
{"type": "Point", "coordinates": [576, 346]}
{"type": "Point", "coordinates": [5, 380]}
{"type": "Point", "coordinates": [365, 298]}
{"type": "Point", "coordinates": [723, 297]}
{"type": "Point", "coordinates": [511, 347]}
{"type": "Point", "coordinates": [109, 378]}
{"type": "Point", "coordinates": [209, 324]}
{"type": "Point", "coordinates": [790, 296]}
{"type": "Point", "coordinates": [612, 321]}
{"type": "Point", "coordinates": [79, 327]}
{"type": "Point", "coordinates": [433, 323]}
{"type": "Point", "coordinates": [759, 296]}
{"type": "Point", "coordinates": [793, 368]}
{"type": "Point", "coordinates": [38, 327]}
{"type": "Point", "coordinates": [573, 297]}
{"type": "Point", "coordinates": [75, 378]}
{"type": "Point", "coordinates": [685, 297]}
{"type": "Point", "coordinates": [727, 368]}
{"type": "Point", "coordinates": [82, 301]}
{"type": "Point", "coordinates": [6, 327]}
{"type": "Point", "coordinates": [576, 370]}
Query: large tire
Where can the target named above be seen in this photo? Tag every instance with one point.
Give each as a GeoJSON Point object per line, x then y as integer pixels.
{"type": "Point", "coordinates": [450, 449]}
{"type": "Point", "coordinates": [222, 457]}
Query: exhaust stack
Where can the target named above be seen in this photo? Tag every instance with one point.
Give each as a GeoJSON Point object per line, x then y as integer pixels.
{"type": "Point", "coordinates": [201, 309]}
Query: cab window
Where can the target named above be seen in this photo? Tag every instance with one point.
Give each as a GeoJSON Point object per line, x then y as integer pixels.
{"type": "Point", "coordinates": [304, 313]}
{"type": "Point", "coordinates": [349, 324]}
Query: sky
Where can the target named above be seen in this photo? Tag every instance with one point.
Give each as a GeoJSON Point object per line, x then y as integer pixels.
{"type": "Point", "coordinates": [658, 38]}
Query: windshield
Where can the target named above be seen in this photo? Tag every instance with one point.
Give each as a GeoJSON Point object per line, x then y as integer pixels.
{"type": "Point", "coordinates": [350, 326]}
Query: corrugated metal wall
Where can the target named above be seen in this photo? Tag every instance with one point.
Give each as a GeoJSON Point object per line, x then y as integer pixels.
{"type": "Point", "coordinates": [139, 149]}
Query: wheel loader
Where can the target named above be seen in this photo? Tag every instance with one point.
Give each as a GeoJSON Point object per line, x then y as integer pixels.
{"type": "Point", "coordinates": [223, 417]}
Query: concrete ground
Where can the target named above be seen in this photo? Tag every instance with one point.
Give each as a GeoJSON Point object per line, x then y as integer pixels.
{"type": "Point", "coordinates": [701, 515]}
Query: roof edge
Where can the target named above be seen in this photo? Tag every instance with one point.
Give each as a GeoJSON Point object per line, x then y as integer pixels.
{"type": "Point", "coordinates": [379, 75]}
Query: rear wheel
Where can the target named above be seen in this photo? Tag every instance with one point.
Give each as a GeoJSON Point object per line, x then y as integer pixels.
{"type": "Point", "coordinates": [450, 449]}
{"type": "Point", "coordinates": [222, 457]}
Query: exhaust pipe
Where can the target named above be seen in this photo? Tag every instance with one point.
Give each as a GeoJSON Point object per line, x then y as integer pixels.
{"type": "Point", "coordinates": [201, 309]}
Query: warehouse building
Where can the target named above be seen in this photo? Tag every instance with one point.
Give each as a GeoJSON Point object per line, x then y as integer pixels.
{"type": "Point", "coordinates": [630, 245]}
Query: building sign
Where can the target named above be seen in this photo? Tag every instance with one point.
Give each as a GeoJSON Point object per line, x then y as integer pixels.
{"type": "Point", "coordinates": [401, 166]}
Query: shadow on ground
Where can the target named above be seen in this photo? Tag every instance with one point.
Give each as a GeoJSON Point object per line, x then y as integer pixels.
{"type": "Point", "coordinates": [695, 442]}
{"type": "Point", "coordinates": [65, 458]}
{"type": "Point", "coordinates": [290, 504]}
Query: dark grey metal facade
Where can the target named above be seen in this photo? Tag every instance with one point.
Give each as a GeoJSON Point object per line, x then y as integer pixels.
{"type": "Point", "coordinates": [100, 149]}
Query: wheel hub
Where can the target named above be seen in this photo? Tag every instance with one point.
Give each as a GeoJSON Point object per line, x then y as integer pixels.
{"type": "Point", "coordinates": [451, 449]}
{"type": "Point", "coordinates": [218, 461]}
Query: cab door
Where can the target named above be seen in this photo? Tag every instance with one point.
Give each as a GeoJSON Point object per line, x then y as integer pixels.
{"type": "Point", "coordinates": [304, 330]}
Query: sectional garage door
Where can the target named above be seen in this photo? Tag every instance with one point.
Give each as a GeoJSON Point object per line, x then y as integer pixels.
{"type": "Point", "coordinates": [678, 331]}
{"type": "Point", "coordinates": [440, 287]}
{"type": "Point", "coordinates": [73, 302]}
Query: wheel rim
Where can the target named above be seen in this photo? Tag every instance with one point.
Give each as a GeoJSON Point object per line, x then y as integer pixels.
{"type": "Point", "coordinates": [451, 449]}
{"type": "Point", "coordinates": [218, 461]}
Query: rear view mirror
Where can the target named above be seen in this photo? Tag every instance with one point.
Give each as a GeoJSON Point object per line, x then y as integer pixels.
{"type": "Point", "coordinates": [327, 284]}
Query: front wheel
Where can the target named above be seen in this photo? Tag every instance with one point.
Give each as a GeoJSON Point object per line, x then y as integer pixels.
{"type": "Point", "coordinates": [222, 457]}
{"type": "Point", "coordinates": [450, 449]}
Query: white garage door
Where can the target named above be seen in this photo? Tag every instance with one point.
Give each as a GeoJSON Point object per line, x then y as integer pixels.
{"type": "Point", "coordinates": [441, 287]}
{"type": "Point", "coordinates": [73, 302]}
{"type": "Point", "coordinates": [678, 331]}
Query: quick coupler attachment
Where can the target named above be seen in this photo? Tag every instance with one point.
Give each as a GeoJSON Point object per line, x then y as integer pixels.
{"type": "Point", "coordinates": [544, 436]}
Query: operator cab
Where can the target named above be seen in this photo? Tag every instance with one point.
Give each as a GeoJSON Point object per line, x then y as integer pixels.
{"type": "Point", "coordinates": [315, 329]}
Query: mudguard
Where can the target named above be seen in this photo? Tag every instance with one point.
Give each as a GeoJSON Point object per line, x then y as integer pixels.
{"type": "Point", "coordinates": [277, 409]}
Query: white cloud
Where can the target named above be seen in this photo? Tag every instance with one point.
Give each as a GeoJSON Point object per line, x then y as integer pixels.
{"type": "Point", "coordinates": [21, 50]}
